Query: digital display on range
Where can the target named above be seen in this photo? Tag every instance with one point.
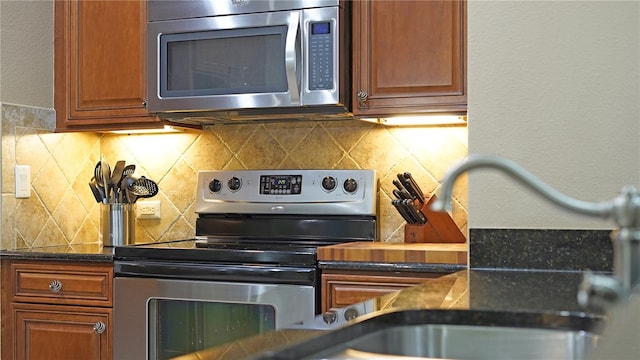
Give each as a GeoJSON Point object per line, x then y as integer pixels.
{"type": "Point", "coordinates": [280, 184]}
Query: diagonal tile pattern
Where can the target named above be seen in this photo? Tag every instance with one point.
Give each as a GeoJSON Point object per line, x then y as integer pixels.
{"type": "Point", "coordinates": [62, 210]}
{"type": "Point", "coordinates": [317, 150]}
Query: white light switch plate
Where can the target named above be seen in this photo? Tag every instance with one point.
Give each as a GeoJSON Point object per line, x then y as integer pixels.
{"type": "Point", "coordinates": [23, 181]}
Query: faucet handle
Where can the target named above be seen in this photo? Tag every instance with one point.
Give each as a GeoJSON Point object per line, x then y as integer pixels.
{"type": "Point", "coordinates": [600, 291]}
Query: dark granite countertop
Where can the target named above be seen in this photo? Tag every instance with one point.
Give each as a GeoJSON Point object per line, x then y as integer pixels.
{"type": "Point", "coordinates": [537, 285]}
{"type": "Point", "coordinates": [517, 277]}
{"type": "Point", "coordinates": [516, 297]}
{"type": "Point", "coordinates": [81, 252]}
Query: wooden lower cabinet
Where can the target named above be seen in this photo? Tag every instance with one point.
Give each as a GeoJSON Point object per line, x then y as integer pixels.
{"type": "Point", "coordinates": [56, 310]}
{"type": "Point", "coordinates": [341, 288]}
{"type": "Point", "coordinates": [61, 332]}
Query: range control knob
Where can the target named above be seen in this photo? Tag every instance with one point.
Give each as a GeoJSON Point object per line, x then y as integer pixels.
{"type": "Point", "coordinates": [330, 317]}
{"type": "Point", "coordinates": [350, 313]}
{"type": "Point", "coordinates": [215, 185]}
{"type": "Point", "coordinates": [350, 185]}
{"type": "Point", "coordinates": [234, 184]}
{"type": "Point", "coordinates": [329, 183]}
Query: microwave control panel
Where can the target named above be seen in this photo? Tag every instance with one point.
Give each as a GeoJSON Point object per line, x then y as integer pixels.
{"type": "Point", "coordinates": [320, 56]}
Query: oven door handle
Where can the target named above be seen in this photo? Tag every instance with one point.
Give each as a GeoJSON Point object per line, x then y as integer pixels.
{"type": "Point", "coordinates": [216, 272]}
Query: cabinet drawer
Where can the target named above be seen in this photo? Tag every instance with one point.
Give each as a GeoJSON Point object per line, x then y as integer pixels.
{"type": "Point", "coordinates": [340, 290]}
{"type": "Point", "coordinates": [345, 293]}
{"type": "Point", "coordinates": [59, 283]}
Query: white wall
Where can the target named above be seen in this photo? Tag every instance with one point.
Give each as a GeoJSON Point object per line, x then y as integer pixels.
{"type": "Point", "coordinates": [555, 86]}
{"type": "Point", "coordinates": [26, 52]}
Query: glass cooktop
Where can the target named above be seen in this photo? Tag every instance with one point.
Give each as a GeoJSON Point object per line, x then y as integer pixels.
{"type": "Point", "coordinates": [222, 251]}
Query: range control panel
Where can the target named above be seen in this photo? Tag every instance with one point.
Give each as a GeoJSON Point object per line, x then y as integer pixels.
{"type": "Point", "coordinates": [348, 192]}
{"type": "Point", "coordinates": [280, 184]}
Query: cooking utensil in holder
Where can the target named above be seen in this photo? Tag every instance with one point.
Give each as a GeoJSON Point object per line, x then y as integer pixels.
{"type": "Point", "coordinates": [439, 228]}
{"type": "Point", "coordinates": [117, 224]}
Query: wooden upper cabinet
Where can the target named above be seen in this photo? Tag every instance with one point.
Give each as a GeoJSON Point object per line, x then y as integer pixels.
{"type": "Point", "coordinates": [100, 71]}
{"type": "Point", "coordinates": [409, 57]}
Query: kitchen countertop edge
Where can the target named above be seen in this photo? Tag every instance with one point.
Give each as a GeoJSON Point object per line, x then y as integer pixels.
{"type": "Point", "coordinates": [390, 266]}
{"type": "Point", "coordinates": [83, 252]}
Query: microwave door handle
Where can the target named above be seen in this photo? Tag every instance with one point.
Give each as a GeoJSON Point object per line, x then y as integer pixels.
{"type": "Point", "coordinates": [290, 58]}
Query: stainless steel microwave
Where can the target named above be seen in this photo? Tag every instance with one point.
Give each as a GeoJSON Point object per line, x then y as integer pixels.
{"type": "Point", "coordinates": [248, 59]}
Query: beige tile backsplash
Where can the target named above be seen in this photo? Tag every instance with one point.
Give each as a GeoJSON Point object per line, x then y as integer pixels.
{"type": "Point", "coordinates": [62, 210]}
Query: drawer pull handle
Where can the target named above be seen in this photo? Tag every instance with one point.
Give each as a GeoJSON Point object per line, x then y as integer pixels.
{"type": "Point", "coordinates": [99, 327]}
{"type": "Point", "coordinates": [55, 285]}
{"type": "Point", "coordinates": [362, 96]}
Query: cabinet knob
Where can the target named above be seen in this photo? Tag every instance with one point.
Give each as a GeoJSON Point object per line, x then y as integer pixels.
{"type": "Point", "coordinates": [99, 327]}
{"type": "Point", "coordinates": [362, 95]}
{"type": "Point", "coordinates": [55, 286]}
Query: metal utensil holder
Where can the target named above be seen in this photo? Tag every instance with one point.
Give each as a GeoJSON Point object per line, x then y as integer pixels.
{"type": "Point", "coordinates": [117, 224]}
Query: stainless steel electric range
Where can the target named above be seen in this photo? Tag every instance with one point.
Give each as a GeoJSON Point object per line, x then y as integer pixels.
{"type": "Point", "coordinates": [252, 266]}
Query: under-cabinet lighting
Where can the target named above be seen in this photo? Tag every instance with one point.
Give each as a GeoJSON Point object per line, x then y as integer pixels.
{"type": "Point", "coordinates": [162, 130]}
{"type": "Point", "coordinates": [419, 120]}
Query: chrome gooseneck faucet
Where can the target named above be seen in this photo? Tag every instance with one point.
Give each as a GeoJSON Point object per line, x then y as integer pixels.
{"type": "Point", "coordinates": [624, 210]}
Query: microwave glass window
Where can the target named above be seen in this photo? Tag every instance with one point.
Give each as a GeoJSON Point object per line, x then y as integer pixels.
{"type": "Point", "coordinates": [224, 62]}
{"type": "Point", "coordinates": [179, 327]}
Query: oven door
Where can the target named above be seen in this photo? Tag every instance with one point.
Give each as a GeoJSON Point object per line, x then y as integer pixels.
{"type": "Point", "coordinates": [164, 318]}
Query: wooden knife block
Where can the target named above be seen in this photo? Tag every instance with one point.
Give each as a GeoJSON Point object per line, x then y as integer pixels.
{"type": "Point", "coordinates": [439, 228]}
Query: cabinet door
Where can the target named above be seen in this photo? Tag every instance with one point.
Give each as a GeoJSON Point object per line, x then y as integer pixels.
{"type": "Point", "coordinates": [409, 57]}
{"type": "Point", "coordinates": [100, 56]}
{"type": "Point", "coordinates": [61, 332]}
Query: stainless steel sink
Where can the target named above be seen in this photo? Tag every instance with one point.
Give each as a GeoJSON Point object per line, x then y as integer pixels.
{"type": "Point", "coordinates": [454, 334]}
{"type": "Point", "coordinates": [445, 341]}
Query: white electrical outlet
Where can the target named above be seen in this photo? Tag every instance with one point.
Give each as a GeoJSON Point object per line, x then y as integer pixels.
{"type": "Point", "coordinates": [149, 209]}
{"type": "Point", "coordinates": [23, 181]}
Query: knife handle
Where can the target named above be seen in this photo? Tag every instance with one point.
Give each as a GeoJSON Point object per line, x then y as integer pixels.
{"type": "Point", "coordinates": [397, 204]}
{"type": "Point", "coordinates": [401, 194]}
{"type": "Point", "coordinates": [415, 186]}
{"type": "Point", "coordinates": [399, 185]}
{"type": "Point", "coordinates": [415, 213]}
{"type": "Point", "coordinates": [407, 185]}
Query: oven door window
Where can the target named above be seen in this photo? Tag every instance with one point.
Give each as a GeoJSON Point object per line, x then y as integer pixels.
{"type": "Point", "coordinates": [222, 62]}
{"type": "Point", "coordinates": [178, 327]}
